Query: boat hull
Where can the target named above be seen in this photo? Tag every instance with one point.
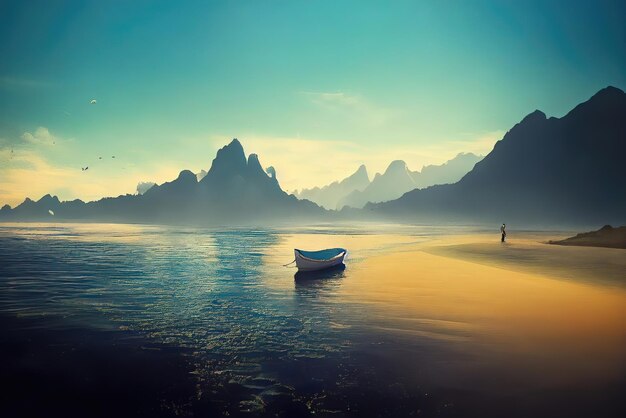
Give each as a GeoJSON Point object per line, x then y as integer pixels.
{"type": "Point", "coordinates": [308, 264]}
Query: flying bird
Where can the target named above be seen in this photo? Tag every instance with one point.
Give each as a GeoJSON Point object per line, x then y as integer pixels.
{"type": "Point", "coordinates": [50, 212]}
{"type": "Point", "coordinates": [99, 158]}
{"type": "Point", "coordinates": [113, 156]}
{"type": "Point", "coordinates": [85, 168]}
{"type": "Point", "coordinates": [93, 101]}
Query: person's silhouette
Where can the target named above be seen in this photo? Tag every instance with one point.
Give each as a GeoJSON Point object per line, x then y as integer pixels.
{"type": "Point", "coordinates": [503, 231]}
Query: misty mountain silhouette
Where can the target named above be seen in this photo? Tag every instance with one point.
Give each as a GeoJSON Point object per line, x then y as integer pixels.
{"type": "Point", "coordinates": [234, 190]}
{"type": "Point", "coordinates": [449, 172]}
{"type": "Point", "coordinates": [544, 171]}
{"type": "Point", "coordinates": [330, 195]}
{"type": "Point", "coordinates": [395, 181]}
{"type": "Point", "coordinates": [144, 186]}
{"type": "Point", "coordinates": [398, 179]}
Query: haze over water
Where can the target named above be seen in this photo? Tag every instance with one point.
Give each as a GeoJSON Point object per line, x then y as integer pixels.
{"type": "Point", "coordinates": [413, 324]}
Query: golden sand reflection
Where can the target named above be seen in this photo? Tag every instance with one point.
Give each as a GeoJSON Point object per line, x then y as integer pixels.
{"type": "Point", "coordinates": [563, 329]}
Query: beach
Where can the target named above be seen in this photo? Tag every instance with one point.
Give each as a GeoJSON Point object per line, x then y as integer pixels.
{"type": "Point", "coordinates": [424, 320]}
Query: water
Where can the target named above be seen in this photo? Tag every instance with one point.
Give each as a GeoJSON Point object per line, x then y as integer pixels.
{"type": "Point", "coordinates": [246, 337]}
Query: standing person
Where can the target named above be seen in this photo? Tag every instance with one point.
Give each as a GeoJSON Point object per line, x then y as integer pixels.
{"type": "Point", "coordinates": [503, 231]}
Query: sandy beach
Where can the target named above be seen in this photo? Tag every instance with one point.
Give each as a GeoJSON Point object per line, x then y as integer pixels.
{"type": "Point", "coordinates": [524, 317]}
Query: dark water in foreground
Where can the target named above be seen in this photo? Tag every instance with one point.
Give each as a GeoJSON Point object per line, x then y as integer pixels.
{"type": "Point", "coordinates": [104, 320]}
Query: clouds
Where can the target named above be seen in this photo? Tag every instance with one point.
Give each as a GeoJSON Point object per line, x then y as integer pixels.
{"type": "Point", "coordinates": [41, 136]}
{"type": "Point", "coordinates": [351, 106]}
{"type": "Point", "coordinates": [334, 99]}
{"type": "Point", "coordinates": [29, 173]}
{"type": "Point", "coordinates": [29, 167]}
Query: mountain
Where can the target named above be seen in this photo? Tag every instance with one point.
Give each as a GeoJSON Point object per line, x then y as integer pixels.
{"type": "Point", "coordinates": [544, 171]}
{"type": "Point", "coordinates": [235, 190]}
{"type": "Point", "coordinates": [201, 175]}
{"type": "Point", "coordinates": [398, 179]}
{"type": "Point", "coordinates": [395, 181]}
{"type": "Point", "coordinates": [144, 186]}
{"type": "Point", "coordinates": [449, 172]}
{"type": "Point", "coordinates": [330, 195]}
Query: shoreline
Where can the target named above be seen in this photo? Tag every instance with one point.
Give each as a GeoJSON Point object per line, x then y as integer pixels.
{"type": "Point", "coordinates": [536, 255]}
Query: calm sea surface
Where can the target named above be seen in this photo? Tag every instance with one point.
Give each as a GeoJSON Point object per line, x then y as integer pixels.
{"type": "Point", "coordinates": [221, 327]}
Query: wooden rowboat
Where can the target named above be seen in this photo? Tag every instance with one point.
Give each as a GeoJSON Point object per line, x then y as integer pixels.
{"type": "Point", "coordinates": [319, 260]}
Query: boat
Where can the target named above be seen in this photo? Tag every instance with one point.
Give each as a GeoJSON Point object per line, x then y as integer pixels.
{"type": "Point", "coordinates": [319, 260]}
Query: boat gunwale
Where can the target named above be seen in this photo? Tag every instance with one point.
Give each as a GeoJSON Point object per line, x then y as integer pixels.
{"type": "Point", "coordinates": [326, 260]}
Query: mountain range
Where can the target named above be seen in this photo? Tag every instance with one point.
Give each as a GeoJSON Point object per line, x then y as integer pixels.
{"type": "Point", "coordinates": [544, 171]}
{"type": "Point", "coordinates": [330, 195]}
{"type": "Point", "coordinates": [235, 190]}
{"type": "Point", "coordinates": [398, 179]}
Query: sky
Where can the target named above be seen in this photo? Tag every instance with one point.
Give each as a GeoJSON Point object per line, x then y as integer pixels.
{"type": "Point", "coordinates": [316, 88]}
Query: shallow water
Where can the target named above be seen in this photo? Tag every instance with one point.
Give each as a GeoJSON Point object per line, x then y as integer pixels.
{"type": "Point", "coordinates": [402, 330]}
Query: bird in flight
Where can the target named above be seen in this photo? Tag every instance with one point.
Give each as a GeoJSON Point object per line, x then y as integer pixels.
{"type": "Point", "coordinates": [99, 158]}
{"type": "Point", "coordinates": [93, 101]}
{"type": "Point", "coordinates": [85, 168]}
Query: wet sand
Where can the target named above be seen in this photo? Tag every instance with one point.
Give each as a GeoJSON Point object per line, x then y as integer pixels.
{"type": "Point", "coordinates": [522, 328]}
{"type": "Point", "coordinates": [539, 324]}
{"type": "Point", "coordinates": [531, 253]}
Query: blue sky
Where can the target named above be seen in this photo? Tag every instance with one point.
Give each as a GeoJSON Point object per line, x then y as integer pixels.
{"type": "Point", "coordinates": [314, 87]}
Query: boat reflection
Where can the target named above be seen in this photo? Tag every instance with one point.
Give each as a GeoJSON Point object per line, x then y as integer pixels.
{"type": "Point", "coordinates": [319, 285]}
{"type": "Point", "coordinates": [315, 278]}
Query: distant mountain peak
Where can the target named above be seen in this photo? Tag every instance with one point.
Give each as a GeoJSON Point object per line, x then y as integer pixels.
{"type": "Point", "coordinates": [330, 195]}
{"type": "Point", "coordinates": [229, 160]}
{"type": "Point", "coordinates": [253, 159]}
{"type": "Point", "coordinates": [187, 175]}
{"type": "Point", "coordinates": [609, 91]}
{"type": "Point", "coordinates": [234, 148]}
{"type": "Point", "coordinates": [48, 199]}
{"type": "Point", "coordinates": [360, 173]}
{"type": "Point", "coordinates": [543, 172]}
{"type": "Point", "coordinates": [236, 190]}
{"type": "Point", "coordinates": [234, 143]}
{"type": "Point", "coordinates": [254, 165]}
{"type": "Point", "coordinates": [536, 115]}
{"type": "Point", "coordinates": [607, 104]}
{"type": "Point", "coordinates": [466, 155]}
{"type": "Point", "coordinates": [396, 166]}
